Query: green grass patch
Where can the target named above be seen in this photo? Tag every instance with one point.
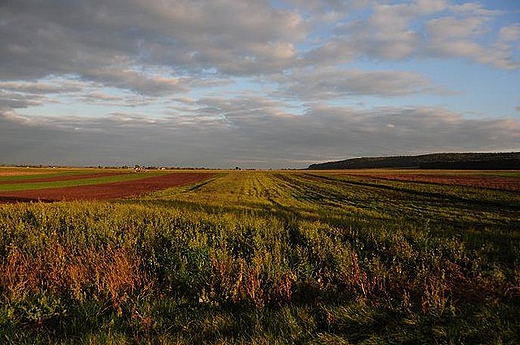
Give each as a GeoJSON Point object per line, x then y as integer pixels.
{"type": "Point", "coordinates": [48, 174]}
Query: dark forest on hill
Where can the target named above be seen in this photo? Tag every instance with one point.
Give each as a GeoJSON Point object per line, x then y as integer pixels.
{"type": "Point", "coordinates": [469, 161]}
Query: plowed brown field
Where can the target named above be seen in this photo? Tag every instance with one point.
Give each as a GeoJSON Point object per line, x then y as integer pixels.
{"type": "Point", "coordinates": [492, 182]}
{"type": "Point", "coordinates": [105, 191]}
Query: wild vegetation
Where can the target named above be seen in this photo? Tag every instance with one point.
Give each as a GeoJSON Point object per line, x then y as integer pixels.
{"type": "Point", "coordinates": [266, 258]}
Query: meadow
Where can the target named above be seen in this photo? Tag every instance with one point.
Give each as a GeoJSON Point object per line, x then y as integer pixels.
{"type": "Point", "coordinates": [270, 257]}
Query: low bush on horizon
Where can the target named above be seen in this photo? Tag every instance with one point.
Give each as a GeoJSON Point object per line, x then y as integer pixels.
{"type": "Point", "coordinates": [264, 258]}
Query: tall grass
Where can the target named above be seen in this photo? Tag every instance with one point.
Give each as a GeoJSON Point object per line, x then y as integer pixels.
{"type": "Point", "coordinates": [255, 258]}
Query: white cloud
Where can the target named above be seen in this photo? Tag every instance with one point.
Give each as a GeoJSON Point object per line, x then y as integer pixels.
{"type": "Point", "coordinates": [453, 36]}
{"type": "Point", "coordinates": [393, 32]}
{"type": "Point", "coordinates": [510, 33]}
{"type": "Point", "coordinates": [473, 9]}
{"type": "Point", "coordinates": [386, 34]}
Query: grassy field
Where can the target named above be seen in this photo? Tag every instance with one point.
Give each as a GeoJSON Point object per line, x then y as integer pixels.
{"type": "Point", "coordinates": [251, 257]}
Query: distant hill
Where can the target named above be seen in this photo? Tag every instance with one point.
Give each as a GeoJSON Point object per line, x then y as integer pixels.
{"type": "Point", "coordinates": [463, 161]}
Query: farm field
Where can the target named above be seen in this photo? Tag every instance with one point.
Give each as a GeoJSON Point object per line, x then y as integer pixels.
{"type": "Point", "coordinates": [504, 180]}
{"type": "Point", "coordinates": [92, 184]}
{"type": "Point", "coordinates": [261, 257]}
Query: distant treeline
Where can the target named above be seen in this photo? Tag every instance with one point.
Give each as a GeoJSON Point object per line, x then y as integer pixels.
{"type": "Point", "coordinates": [464, 161]}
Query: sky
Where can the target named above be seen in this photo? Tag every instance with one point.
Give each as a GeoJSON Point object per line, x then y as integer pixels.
{"type": "Point", "coordinates": [255, 83]}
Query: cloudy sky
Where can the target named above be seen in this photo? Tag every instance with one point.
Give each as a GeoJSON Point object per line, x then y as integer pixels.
{"type": "Point", "coordinates": [255, 83]}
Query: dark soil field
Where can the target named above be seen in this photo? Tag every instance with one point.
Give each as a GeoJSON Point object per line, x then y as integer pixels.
{"type": "Point", "coordinates": [479, 181]}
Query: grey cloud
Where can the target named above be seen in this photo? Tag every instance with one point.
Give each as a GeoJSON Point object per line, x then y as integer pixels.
{"type": "Point", "coordinates": [104, 42]}
{"type": "Point", "coordinates": [411, 130]}
{"type": "Point", "coordinates": [138, 82]}
{"type": "Point", "coordinates": [330, 83]}
{"type": "Point", "coordinates": [97, 96]}
{"type": "Point", "coordinates": [335, 132]}
{"type": "Point", "coordinates": [30, 87]}
{"type": "Point", "coordinates": [251, 127]}
{"type": "Point", "coordinates": [11, 100]}
{"type": "Point", "coordinates": [331, 6]}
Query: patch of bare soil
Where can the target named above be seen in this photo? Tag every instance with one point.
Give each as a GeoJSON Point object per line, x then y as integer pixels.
{"type": "Point", "coordinates": [491, 182]}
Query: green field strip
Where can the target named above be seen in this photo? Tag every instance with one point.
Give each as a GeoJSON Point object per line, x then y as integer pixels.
{"type": "Point", "coordinates": [49, 175]}
{"type": "Point", "coordinates": [79, 182]}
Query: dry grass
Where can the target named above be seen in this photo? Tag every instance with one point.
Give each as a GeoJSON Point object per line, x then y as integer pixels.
{"type": "Point", "coordinates": [104, 273]}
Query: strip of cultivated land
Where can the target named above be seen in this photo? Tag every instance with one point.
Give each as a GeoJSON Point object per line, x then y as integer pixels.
{"type": "Point", "coordinates": [88, 185]}
{"type": "Point", "coordinates": [505, 180]}
{"type": "Point", "coordinates": [25, 171]}
{"type": "Point", "coordinates": [55, 177]}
